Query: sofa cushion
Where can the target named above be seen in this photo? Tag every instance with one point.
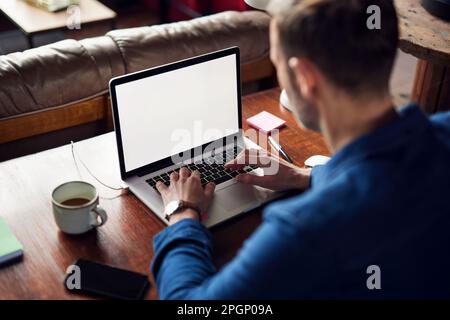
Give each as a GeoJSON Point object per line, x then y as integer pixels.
{"type": "Point", "coordinates": [56, 75]}
{"type": "Point", "coordinates": [146, 47]}
{"type": "Point", "coordinates": [69, 71]}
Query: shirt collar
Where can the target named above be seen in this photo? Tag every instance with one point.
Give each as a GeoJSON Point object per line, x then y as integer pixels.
{"type": "Point", "coordinates": [411, 121]}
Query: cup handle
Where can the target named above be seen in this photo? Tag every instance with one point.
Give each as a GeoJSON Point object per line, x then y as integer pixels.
{"type": "Point", "coordinates": [99, 212]}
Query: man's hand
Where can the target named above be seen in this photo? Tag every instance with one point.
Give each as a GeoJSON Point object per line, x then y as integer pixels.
{"type": "Point", "coordinates": [186, 186]}
{"type": "Point", "coordinates": [286, 177]}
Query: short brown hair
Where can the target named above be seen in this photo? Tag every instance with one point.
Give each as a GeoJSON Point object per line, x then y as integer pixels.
{"type": "Point", "coordinates": [334, 35]}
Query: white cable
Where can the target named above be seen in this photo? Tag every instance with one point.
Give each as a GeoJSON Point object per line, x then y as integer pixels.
{"type": "Point", "coordinates": [75, 155]}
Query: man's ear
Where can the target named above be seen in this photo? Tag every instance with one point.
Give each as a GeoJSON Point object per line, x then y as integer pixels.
{"type": "Point", "coordinates": [306, 76]}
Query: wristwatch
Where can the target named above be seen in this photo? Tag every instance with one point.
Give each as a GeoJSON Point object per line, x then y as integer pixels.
{"type": "Point", "coordinates": [178, 205]}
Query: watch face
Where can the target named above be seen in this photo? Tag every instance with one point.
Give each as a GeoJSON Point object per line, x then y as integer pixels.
{"type": "Point", "coordinates": [172, 207]}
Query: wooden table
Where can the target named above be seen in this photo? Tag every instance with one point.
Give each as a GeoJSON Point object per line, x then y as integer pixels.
{"type": "Point", "coordinates": [126, 239]}
{"type": "Point", "coordinates": [427, 38]}
{"type": "Point", "coordinates": [32, 20]}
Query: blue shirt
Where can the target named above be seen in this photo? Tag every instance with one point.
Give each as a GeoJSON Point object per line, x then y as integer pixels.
{"type": "Point", "coordinates": [383, 200]}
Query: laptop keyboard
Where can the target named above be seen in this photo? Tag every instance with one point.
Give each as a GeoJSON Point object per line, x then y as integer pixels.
{"type": "Point", "coordinates": [211, 169]}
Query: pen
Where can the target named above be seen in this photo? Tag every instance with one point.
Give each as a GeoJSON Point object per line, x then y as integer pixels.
{"type": "Point", "coordinates": [279, 149]}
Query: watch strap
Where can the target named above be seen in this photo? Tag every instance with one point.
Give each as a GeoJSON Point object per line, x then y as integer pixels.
{"type": "Point", "coordinates": [185, 205]}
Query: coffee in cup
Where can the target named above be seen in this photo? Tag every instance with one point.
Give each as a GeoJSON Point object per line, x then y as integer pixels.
{"type": "Point", "coordinates": [76, 209]}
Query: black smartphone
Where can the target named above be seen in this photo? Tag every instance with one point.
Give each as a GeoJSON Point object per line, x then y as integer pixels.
{"type": "Point", "coordinates": [102, 280]}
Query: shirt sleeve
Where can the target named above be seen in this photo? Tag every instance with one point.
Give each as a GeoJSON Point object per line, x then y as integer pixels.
{"type": "Point", "coordinates": [442, 118]}
{"type": "Point", "coordinates": [316, 175]}
{"type": "Point", "coordinates": [441, 123]}
{"type": "Point", "coordinates": [183, 266]}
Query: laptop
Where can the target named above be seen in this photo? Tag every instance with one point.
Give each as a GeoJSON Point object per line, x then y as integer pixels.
{"type": "Point", "coordinates": [188, 114]}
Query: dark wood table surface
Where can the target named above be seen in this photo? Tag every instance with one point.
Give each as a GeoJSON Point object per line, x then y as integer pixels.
{"type": "Point", "coordinates": [126, 240]}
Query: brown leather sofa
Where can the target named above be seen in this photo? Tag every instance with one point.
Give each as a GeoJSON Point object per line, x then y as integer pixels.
{"type": "Point", "coordinates": [57, 93]}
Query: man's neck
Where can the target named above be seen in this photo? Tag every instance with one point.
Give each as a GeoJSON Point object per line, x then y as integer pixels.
{"type": "Point", "coordinates": [346, 119]}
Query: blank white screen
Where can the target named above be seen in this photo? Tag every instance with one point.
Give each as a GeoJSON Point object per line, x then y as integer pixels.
{"type": "Point", "coordinates": [157, 114]}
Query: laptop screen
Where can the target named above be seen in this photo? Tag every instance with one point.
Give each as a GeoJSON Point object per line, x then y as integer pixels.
{"type": "Point", "coordinates": [168, 113]}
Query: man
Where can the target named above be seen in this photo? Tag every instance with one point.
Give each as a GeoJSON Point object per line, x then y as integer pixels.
{"type": "Point", "coordinates": [374, 222]}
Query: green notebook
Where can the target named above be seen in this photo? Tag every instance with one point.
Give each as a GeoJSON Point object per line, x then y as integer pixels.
{"type": "Point", "coordinates": [10, 248]}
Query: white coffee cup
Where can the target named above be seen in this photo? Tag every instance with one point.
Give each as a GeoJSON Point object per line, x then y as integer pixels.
{"type": "Point", "coordinates": [76, 209]}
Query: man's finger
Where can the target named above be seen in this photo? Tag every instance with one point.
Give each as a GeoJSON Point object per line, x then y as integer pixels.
{"type": "Point", "coordinates": [184, 173]}
{"type": "Point", "coordinates": [195, 175]}
{"type": "Point", "coordinates": [174, 176]}
{"type": "Point", "coordinates": [209, 190]}
{"type": "Point", "coordinates": [161, 187]}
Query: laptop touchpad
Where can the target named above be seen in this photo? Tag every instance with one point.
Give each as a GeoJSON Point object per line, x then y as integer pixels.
{"type": "Point", "coordinates": [237, 196]}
